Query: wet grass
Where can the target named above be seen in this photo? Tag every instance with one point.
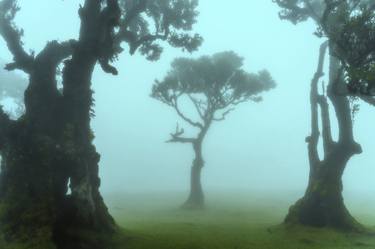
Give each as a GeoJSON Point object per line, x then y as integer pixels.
{"type": "Point", "coordinates": [241, 221]}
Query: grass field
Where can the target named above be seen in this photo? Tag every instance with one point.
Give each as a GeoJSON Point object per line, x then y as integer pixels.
{"type": "Point", "coordinates": [230, 221]}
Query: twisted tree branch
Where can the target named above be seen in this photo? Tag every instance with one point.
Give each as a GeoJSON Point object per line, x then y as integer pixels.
{"type": "Point", "coordinates": [55, 52]}
{"type": "Point", "coordinates": [176, 137]}
{"type": "Point", "coordinates": [223, 115]}
{"type": "Point", "coordinates": [12, 36]}
{"type": "Point", "coordinates": [198, 107]}
{"type": "Point", "coordinates": [313, 139]}
{"type": "Point", "coordinates": [185, 118]}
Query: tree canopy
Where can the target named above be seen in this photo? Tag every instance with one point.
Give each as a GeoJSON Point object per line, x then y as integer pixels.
{"type": "Point", "coordinates": [350, 27]}
{"type": "Point", "coordinates": [145, 22]}
{"type": "Point", "coordinates": [215, 85]}
{"type": "Point", "coordinates": [354, 41]}
{"type": "Point", "coordinates": [142, 24]}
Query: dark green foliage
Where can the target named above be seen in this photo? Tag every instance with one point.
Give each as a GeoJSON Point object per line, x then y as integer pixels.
{"type": "Point", "coordinates": [350, 27]}
{"type": "Point", "coordinates": [300, 10]}
{"type": "Point", "coordinates": [219, 79]}
{"type": "Point", "coordinates": [146, 22]}
{"type": "Point", "coordinates": [354, 41]}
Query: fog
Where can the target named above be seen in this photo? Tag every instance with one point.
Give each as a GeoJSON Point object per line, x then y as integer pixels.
{"type": "Point", "coordinates": [260, 146]}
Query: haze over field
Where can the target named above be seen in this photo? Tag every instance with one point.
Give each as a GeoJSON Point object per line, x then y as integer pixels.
{"type": "Point", "coordinates": [261, 146]}
{"type": "Point", "coordinates": [178, 124]}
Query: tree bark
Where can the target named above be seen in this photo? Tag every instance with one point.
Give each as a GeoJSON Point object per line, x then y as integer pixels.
{"type": "Point", "coordinates": [52, 144]}
{"type": "Point", "coordinates": [84, 209]}
{"type": "Point", "coordinates": [33, 179]}
{"type": "Point", "coordinates": [196, 196]}
{"type": "Point", "coordinates": [323, 204]}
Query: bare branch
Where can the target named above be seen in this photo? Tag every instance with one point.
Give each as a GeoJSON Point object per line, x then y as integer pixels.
{"type": "Point", "coordinates": [340, 103]}
{"type": "Point", "coordinates": [198, 106]}
{"type": "Point", "coordinates": [313, 139]}
{"type": "Point", "coordinates": [342, 108]}
{"type": "Point", "coordinates": [12, 37]}
{"type": "Point", "coordinates": [326, 124]}
{"type": "Point", "coordinates": [188, 120]}
{"type": "Point", "coordinates": [176, 137]}
{"type": "Point", "coordinates": [54, 52]}
{"type": "Point", "coordinates": [223, 115]}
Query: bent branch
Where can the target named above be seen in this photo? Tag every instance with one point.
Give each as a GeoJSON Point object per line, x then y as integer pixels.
{"type": "Point", "coordinates": [176, 137]}
{"type": "Point", "coordinates": [188, 120]}
{"type": "Point", "coordinates": [12, 36]}
{"type": "Point", "coordinates": [55, 52]}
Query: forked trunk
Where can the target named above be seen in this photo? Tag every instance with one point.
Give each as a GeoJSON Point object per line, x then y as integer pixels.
{"type": "Point", "coordinates": [323, 204]}
{"type": "Point", "coordinates": [50, 145]}
{"type": "Point", "coordinates": [34, 175]}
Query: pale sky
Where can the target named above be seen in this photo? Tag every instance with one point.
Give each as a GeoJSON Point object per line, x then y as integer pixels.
{"type": "Point", "coordinates": [260, 145]}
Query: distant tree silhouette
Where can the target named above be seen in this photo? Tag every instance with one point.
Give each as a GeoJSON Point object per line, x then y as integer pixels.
{"type": "Point", "coordinates": [51, 144]}
{"type": "Point", "coordinates": [322, 204]}
{"type": "Point", "coordinates": [214, 85]}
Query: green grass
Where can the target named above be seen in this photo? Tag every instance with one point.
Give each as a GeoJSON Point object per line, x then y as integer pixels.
{"type": "Point", "coordinates": [241, 221]}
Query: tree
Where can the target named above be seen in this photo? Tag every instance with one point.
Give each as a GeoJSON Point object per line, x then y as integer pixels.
{"type": "Point", "coordinates": [350, 27]}
{"type": "Point", "coordinates": [214, 85]}
{"type": "Point", "coordinates": [354, 41]}
{"type": "Point", "coordinates": [322, 204]}
{"type": "Point", "coordinates": [51, 144]}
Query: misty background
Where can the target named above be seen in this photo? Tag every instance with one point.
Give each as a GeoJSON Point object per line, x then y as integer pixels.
{"type": "Point", "coordinates": [260, 146]}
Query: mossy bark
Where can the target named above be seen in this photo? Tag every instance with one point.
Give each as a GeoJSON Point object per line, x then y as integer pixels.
{"type": "Point", "coordinates": [50, 145]}
{"type": "Point", "coordinates": [323, 204]}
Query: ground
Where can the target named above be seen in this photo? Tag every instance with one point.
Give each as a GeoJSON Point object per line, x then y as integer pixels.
{"type": "Point", "coordinates": [230, 221]}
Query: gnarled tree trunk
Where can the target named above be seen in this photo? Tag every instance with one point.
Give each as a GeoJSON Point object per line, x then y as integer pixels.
{"type": "Point", "coordinates": [52, 144]}
{"type": "Point", "coordinates": [84, 208]}
{"type": "Point", "coordinates": [323, 204]}
{"type": "Point", "coordinates": [33, 172]}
